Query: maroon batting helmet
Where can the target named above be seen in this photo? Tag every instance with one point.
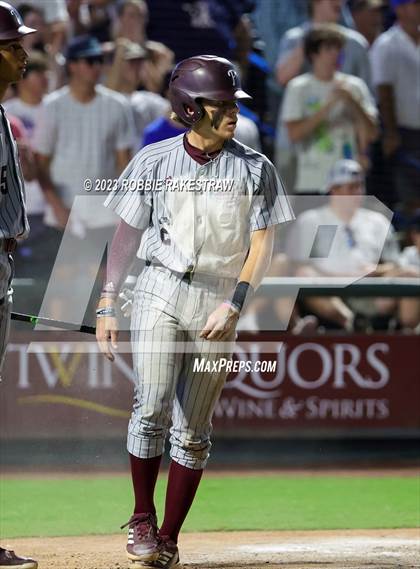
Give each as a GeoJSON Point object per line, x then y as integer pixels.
{"type": "Point", "coordinates": [11, 24]}
{"type": "Point", "coordinates": [203, 76]}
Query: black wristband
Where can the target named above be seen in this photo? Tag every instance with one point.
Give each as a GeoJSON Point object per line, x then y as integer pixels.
{"type": "Point", "coordinates": [243, 292]}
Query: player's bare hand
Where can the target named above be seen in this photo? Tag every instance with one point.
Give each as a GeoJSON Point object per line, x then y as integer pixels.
{"type": "Point", "coordinates": [221, 323]}
{"type": "Point", "coordinates": [107, 331]}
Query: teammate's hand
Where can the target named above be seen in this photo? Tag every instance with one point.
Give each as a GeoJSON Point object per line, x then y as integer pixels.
{"type": "Point", "coordinates": [107, 331]}
{"type": "Point", "coordinates": [221, 323]}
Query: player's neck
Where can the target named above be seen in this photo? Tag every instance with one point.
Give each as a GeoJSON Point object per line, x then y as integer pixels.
{"type": "Point", "coordinates": [205, 143]}
{"type": "Point", "coordinates": [82, 92]}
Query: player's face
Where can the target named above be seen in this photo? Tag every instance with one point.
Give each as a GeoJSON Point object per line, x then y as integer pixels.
{"type": "Point", "coordinates": [221, 117]}
{"type": "Point", "coordinates": [13, 59]}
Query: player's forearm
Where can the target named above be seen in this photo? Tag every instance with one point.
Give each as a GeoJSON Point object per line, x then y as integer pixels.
{"type": "Point", "coordinates": [259, 257]}
{"type": "Point", "coordinates": [122, 252]}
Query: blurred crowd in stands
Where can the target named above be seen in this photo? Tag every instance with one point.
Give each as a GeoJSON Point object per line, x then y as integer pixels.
{"type": "Point", "coordinates": [336, 107]}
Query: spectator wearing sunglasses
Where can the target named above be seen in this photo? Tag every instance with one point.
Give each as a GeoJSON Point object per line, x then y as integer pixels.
{"type": "Point", "coordinates": [84, 132]}
{"type": "Point", "coordinates": [342, 238]}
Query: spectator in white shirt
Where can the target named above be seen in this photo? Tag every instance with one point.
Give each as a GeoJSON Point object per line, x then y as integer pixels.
{"type": "Point", "coordinates": [328, 114]}
{"type": "Point", "coordinates": [362, 243]}
{"type": "Point", "coordinates": [395, 58]}
{"type": "Point", "coordinates": [85, 131]}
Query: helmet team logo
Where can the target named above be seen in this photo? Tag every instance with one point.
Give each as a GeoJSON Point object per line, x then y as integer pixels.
{"type": "Point", "coordinates": [234, 76]}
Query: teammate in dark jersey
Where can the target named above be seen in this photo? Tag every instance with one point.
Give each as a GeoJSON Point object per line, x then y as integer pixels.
{"type": "Point", "coordinates": [13, 221]}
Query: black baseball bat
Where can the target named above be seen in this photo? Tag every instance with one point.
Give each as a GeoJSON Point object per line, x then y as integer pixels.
{"type": "Point", "coordinates": [53, 323]}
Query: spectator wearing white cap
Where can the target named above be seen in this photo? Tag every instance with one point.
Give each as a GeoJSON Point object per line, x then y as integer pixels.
{"type": "Point", "coordinates": [395, 58]}
{"type": "Point", "coordinates": [125, 75]}
{"type": "Point", "coordinates": [352, 249]}
{"type": "Point", "coordinates": [131, 23]}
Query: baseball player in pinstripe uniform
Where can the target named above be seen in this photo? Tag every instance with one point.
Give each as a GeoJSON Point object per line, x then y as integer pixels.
{"type": "Point", "coordinates": [13, 221]}
{"type": "Point", "coordinates": [205, 251]}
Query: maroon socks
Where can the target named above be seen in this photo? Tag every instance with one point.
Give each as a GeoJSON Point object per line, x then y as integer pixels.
{"type": "Point", "coordinates": [144, 473]}
{"type": "Point", "coordinates": [182, 487]}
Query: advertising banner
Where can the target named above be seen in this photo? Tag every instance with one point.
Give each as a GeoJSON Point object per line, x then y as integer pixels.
{"type": "Point", "coordinates": [328, 384]}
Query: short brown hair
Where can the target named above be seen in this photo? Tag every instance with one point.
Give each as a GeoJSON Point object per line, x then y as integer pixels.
{"type": "Point", "coordinates": [321, 35]}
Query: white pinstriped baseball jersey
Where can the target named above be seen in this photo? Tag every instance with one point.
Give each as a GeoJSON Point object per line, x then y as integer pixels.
{"type": "Point", "coordinates": [205, 230]}
{"type": "Point", "coordinates": [13, 221]}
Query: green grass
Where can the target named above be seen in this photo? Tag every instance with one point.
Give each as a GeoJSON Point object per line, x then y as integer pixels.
{"type": "Point", "coordinates": [78, 506]}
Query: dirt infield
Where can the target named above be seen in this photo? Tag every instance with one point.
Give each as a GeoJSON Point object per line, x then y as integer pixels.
{"type": "Point", "coordinates": [356, 549]}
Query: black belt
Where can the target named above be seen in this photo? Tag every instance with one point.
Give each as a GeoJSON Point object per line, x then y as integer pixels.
{"type": "Point", "coordinates": [187, 277]}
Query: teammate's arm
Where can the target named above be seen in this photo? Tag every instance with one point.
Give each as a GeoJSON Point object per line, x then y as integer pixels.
{"type": "Point", "coordinates": [61, 212]}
